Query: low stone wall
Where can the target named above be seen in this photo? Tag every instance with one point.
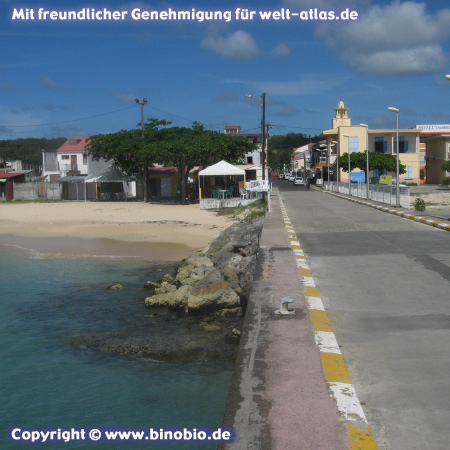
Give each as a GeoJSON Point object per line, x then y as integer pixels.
{"type": "Point", "coordinates": [37, 191]}
{"type": "Point", "coordinates": [217, 204]}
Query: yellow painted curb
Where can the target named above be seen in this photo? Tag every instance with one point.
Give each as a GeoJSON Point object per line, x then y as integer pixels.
{"type": "Point", "coordinates": [333, 364]}
{"type": "Point", "coordinates": [334, 368]}
{"type": "Point", "coordinates": [360, 438]}
{"type": "Point", "coordinates": [320, 320]}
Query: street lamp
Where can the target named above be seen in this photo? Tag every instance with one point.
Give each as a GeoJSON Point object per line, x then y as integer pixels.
{"type": "Point", "coordinates": [367, 159]}
{"type": "Point", "coordinates": [447, 77]}
{"type": "Point", "coordinates": [349, 174]}
{"type": "Point", "coordinates": [263, 132]}
{"type": "Point", "coordinates": [397, 188]}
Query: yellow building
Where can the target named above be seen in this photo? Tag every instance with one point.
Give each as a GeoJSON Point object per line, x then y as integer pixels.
{"type": "Point", "coordinates": [385, 141]}
{"type": "Point", "coordinates": [344, 137]}
{"type": "Point", "coordinates": [435, 143]}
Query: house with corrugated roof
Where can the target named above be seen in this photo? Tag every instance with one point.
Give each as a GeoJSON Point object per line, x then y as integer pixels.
{"type": "Point", "coordinates": [7, 181]}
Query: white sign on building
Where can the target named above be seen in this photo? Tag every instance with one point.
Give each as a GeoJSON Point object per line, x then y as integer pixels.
{"type": "Point", "coordinates": [434, 128]}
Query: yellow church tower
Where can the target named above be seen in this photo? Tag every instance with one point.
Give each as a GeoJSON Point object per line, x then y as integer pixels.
{"type": "Point", "coordinates": [341, 118]}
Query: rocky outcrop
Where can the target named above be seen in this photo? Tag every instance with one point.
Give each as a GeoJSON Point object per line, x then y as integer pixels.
{"type": "Point", "coordinates": [114, 287]}
{"type": "Point", "coordinates": [217, 282]}
{"type": "Point", "coordinates": [187, 339]}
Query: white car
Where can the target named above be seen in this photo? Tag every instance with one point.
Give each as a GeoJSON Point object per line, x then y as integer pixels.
{"type": "Point", "coordinates": [298, 181]}
{"type": "Point", "coordinates": [291, 177]}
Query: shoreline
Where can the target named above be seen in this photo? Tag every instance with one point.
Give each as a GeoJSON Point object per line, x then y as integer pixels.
{"type": "Point", "coordinates": [110, 229]}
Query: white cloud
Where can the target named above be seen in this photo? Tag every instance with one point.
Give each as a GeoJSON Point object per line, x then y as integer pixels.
{"type": "Point", "coordinates": [228, 97]}
{"type": "Point", "coordinates": [52, 85]}
{"type": "Point", "coordinates": [21, 121]}
{"type": "Point", "coordinates": [394, 62]}
{"type": "Point", "coordinates": [8, 86]}
{"type": "Point", "coordinates": [303, 86]}
{"type": "Point", "coordinates": [239, 45]}
{"type": "Point", "coordinates": [288, 111]}
{"type": "Point", "coordinates": [281, 50]}
{"type": "Point", "coordinates": [396, 39]}
{"type": "Point", "coordinates": [123, 98]}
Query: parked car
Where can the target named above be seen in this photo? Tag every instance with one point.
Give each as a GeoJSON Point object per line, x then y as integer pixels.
{"type": "Point", "coordinates": [281, 176]}
{"type": "Point", "coordinates": [291, 177]}
{"type": "Point", "coordinates": [298, 181]}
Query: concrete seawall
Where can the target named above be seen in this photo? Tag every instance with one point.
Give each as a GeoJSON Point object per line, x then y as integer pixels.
{"type": "Point", "coordinates": [280, 395]}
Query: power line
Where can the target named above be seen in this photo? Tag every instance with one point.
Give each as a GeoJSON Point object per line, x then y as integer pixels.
{"type": "Point", "coordinates": [300, 128]}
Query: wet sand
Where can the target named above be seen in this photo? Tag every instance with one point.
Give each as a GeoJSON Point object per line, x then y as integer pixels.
{"type": "Point", "coordinates": [135, 229]}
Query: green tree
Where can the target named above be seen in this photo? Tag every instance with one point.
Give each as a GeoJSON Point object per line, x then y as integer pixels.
{"type": "Point", "coordinates": [185, 148]}
{"type": "Point", "coordinates": [282, 146]}
{"type": "Point", "coordinates": [377, 161]}
{"type": "Point", "coordinates": [179, 147]}
{"type": "Point", "coordinates": [445, 166]}
{"type": "Point", "coordinates": [132, 150]}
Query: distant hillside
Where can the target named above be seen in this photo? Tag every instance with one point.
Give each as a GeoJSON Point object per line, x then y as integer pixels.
{"type": "Point", "coordinates": [29, 149]}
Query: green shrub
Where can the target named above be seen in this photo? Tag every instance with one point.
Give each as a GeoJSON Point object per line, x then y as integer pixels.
{"type": "Point", "coordinates": [411, 184]}
{"type": "Point", "coordinates": [446, 181]}
{"type": "Point", "coordinates": [419, 204]}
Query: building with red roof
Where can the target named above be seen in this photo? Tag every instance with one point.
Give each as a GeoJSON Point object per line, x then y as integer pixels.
{"type": "Point", "coordinates": [73, 157]}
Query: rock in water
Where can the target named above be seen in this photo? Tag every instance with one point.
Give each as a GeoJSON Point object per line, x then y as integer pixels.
{"type": "Point", "coordinates": [114, 287]}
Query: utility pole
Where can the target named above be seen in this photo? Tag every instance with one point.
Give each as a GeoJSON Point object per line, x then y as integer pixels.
{"type": "Point", "coordinates": [145, 162]}
{"type": "Point", "coordinates": [263, 138]}
{"type": "Point", "coordinates": [263, 129]}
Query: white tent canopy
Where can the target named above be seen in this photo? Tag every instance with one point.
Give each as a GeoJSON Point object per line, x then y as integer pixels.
{"type": "Point", "coordinates": [222, 168]}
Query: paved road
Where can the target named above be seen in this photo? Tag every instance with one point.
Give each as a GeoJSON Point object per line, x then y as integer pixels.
{"type": "Point", "coordinates": [385, 282]}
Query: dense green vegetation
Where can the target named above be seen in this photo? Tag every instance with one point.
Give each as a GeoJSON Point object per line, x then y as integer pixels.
{"type": "Point", "coordinates": [380, 161]}
{"type": "Point", "coordinates": [282, 146]}
{"type": "Point", "coordinates": [181, 147]}
{"type": "Point", "coordinates": [29, 149]}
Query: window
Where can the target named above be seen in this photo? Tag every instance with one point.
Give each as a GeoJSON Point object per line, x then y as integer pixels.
{"type": "Point", "coordinates": [249, 159]}
{"type": "Point", "coordinates": [380, 145]}
{"type": "Point", "coordinates": [64, 156]}
{"type": "Point", "coordinates": [408, 173]}
{"type": "Point", "coordinates": [85, 158]}
{"type": "Point", "coordinates": [402, 145]}
{"type": "Point", "coordinates": [354, 144]}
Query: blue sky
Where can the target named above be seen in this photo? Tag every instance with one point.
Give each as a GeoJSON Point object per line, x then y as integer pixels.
{"type": "Point", "coordinates": [60, 78]}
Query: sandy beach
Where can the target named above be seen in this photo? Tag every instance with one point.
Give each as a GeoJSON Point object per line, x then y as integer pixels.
{"type": "Point", "coordinates": [153, 231]}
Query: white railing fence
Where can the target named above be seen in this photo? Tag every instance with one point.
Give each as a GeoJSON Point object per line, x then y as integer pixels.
{"type": "Point", "coordinates": [377, 192]}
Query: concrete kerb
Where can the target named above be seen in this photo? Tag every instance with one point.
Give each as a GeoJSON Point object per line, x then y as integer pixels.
{"type": "Point", "coordinates": [397, 212]}
{"type": "Point", "coordinates": [335, 371]}
{"type": "Point", "coordinates": [290, 387]}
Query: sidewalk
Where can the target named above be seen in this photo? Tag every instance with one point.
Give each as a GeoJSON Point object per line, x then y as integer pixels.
{"type": "Point", "coordinates": [438, 217]}
{"type": "Point", "coordinates": [290, 388]}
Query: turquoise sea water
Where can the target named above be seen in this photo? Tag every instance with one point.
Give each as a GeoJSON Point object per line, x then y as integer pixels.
{"type": "Point", "coordinates": [47, 382]}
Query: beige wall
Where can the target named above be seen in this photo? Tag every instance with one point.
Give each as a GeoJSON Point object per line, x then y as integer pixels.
{"type": "Point", "coordinates": [352, 131]}
{"type": "Point", "coordinates": [437, 153]}
{"type": "Point", "coordinates": [411, 158]}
